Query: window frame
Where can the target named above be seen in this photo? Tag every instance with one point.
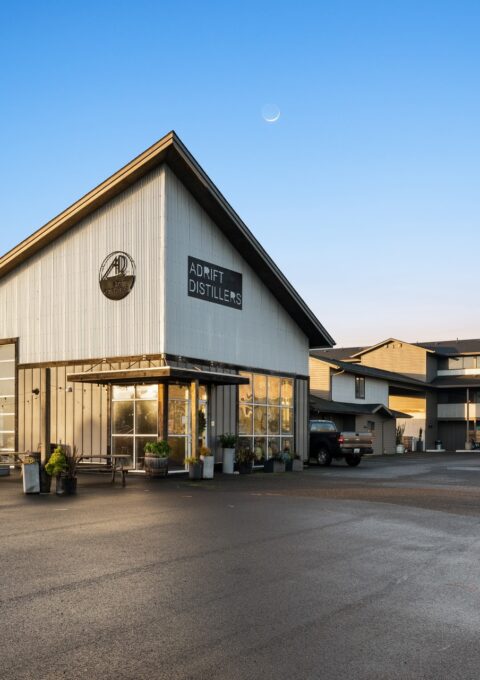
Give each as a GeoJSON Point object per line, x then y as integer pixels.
{"type": "Point", "coordinates": [359, 387]}
{"type": "Point", "coordinates": [275, 439]}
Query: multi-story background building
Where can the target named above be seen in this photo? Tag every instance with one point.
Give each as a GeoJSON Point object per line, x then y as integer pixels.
{"type": "Point", "coordinates": [436, 384]}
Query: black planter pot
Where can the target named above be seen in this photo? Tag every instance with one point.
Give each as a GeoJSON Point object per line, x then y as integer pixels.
{"type": "Point", "coordinates": [71, 485]}
{"type": "Point", "coordinates": [245, 468]}
{"type": "Point", "coordinates": [66, 486]}
{"type": "Point", "coordinates": [195, 470]}
{"type": "Point", "coordinates": [45, 481]}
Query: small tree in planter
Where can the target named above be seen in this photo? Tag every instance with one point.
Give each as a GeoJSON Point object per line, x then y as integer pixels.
{"type": "Point", "coordinates": [227, 442]}
{"type": "Point", "coordinates": [156, 458]}
{"type": "Point", "coordinates": [208, 462]}
{"type": "Point", "coordinates": [63, 466]}
{"type": "Point", "coordinates": [244, 459]}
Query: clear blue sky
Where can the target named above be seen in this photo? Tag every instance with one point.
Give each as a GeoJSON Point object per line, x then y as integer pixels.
{"type": "Point", "coordinates": [366, 190]}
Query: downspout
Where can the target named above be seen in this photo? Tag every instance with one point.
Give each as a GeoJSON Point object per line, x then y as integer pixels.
{"type": "Point", "coordinates": [468, 417]}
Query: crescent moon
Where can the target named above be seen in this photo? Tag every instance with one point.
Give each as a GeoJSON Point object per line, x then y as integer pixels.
{"type": "Point", "coordinates": [270, 113]}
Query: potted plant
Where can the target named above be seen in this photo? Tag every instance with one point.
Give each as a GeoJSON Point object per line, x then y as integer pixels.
{"type": "Point", "coordinates": [227, 442]}
{"type": "Point", "coordinates": [275, 464]}
{"type": "Point", "coordinates": [293, 462]}
{"type": "Point", "coordinates": [30, 472]}
{"type": "Point", "coordinates": [297, 463]}
{"type": "Point", "coordinates": [399, 438]}
{"type": "Point", "coordinates": [156, 458]}
{"type": "Point", "coordinates": [208, 462]}
{"type": "Point", "coordinates": [419, 441]}
{"type": "Point", "coordinates": [63, 466]}
{"type": "Point", "coordinates": [194, 467]}
{"type": "Point", "coordinates": [202, 425]}
{"type": "Point", "coordinates": [244, 459]}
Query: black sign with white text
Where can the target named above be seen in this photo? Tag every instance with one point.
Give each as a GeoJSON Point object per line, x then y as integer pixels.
{"type": "Point", "coordinates": [212, 283]}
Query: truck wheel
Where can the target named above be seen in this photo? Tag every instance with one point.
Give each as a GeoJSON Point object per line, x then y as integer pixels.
{"type": "Point", "coordinates": [324, 457]}
{"type": "Point", "coordinates": [352, 460]}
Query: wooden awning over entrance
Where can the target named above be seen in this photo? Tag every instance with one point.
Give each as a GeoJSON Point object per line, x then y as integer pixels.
{"type": "Point", "coordinates": [156, 374]}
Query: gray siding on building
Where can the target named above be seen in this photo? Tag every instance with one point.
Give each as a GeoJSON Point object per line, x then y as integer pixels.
{"type": "Point", "coordinates": [261, 335]}
{"type": "Point", "coordinates": [53, 301]}
{"type": "Point", "coordinates": [431, 410]}
{"type": "Point", "coordinates": [222, 416]}
{"type": "Point", "coordinates": [77, 418]}
{"type": "Point", "coordinates": [452, 434]}
{"type": "Point", "coordinates": [301, 418]}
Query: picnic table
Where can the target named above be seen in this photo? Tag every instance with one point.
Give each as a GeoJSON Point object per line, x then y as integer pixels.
{"type": "Point", "coordinates": [114, 462]}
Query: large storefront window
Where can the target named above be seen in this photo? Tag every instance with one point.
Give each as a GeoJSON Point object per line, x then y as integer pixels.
{"type": "Point", "coordinates": [7, 397]}
{"type": "Point", "coordinates": [134, 420]}
{"type": "Point", "coordinates": [265, 422]}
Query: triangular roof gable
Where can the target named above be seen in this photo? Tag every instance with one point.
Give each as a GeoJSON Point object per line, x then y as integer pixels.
{"type": "Point", "coordinates": [385, 342]}
{"type": "Point", "coordinates": [172, 151]}
{"type": "Point", "coordinates": [369, 371]}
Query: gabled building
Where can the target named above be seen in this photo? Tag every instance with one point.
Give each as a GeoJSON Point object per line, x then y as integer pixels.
{"type": "Point", "coordinates": [356, 397]}
{"type": "Point", "coordinates": [148, 310]}
{"type": "Point", "coordinates": [449, 371]}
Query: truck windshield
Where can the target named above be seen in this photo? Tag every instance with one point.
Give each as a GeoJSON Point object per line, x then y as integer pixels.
{"type": "Point", "coordinates": [322, 426]}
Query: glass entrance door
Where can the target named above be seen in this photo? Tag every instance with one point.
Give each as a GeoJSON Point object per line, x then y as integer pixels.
{"type": "Point", "coordinates": [134, 420]}
{"type": "Point", "coordinates": [180, 423]}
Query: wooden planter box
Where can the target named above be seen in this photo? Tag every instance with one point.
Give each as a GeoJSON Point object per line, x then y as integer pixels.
{"type": "Point", "coordinates": [155, 466]}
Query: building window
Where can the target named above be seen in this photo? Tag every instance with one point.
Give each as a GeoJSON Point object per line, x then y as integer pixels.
{"type": "Point", "coordinates": [266, 417]}
{"type": "Point", "coordinates": [7, 397]}
{"type": "Point", "coordinates": [359, 387]}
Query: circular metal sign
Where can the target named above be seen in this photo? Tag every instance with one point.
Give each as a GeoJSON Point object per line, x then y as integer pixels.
{"type": "Point", "coordinates": [117, 275]}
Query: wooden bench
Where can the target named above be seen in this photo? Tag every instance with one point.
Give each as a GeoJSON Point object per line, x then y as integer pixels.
{"type": "Point", "coordinates": [111, 463]}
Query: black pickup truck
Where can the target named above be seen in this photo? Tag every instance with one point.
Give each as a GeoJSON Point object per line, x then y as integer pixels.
{"type": "Point", "coordinates": [327, 444]}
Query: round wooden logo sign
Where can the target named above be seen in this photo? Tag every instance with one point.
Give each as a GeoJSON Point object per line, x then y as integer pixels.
{"type": "Point", "coordinates": [117, 275]}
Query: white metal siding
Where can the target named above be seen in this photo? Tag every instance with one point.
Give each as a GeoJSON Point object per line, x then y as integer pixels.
{"type": "Point", "coordinates": [53, 301]}
{"type": "Point", "coordinates": [343, 389]}
{"type": "Point", "coordinates": [262, 335]}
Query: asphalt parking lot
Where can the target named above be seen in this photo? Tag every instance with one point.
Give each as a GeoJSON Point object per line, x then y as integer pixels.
{"type": "Point", "coordinates": [368, 573]}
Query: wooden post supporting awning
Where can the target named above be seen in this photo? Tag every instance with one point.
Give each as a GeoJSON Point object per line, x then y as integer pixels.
{"type": "Point", "coordinates": [157, 374]}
